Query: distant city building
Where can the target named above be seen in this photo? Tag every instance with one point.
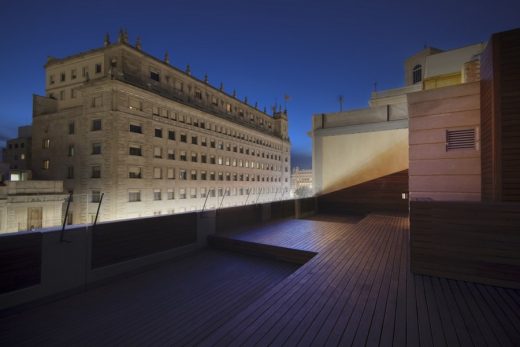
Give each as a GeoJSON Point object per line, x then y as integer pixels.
{"type": "Point", "coordinates": [301, 182]}
{"type": "Point", "coordinates": [17, 152]}
{"type": "Point", "coordinates": [26, 205]}
{"type": "Point", "coordinates": [357, 146]}
{"type": "Point", "coordinates": [152, 138]}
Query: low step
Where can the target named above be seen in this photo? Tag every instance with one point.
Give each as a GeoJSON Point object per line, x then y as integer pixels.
{"type": "Point", "coordinates": [296, 256]}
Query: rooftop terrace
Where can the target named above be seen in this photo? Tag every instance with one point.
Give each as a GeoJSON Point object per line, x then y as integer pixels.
{"type": "Point", "coordinates": [356, 289]}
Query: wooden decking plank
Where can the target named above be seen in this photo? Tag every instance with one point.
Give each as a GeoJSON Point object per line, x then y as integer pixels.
{"type": "Point", "coordinates": [356, 303]}
{"type": "Point", "coordinates": [328, 317]}
{"type": "Point", "coordinates": [316, 299]}
{"type": "Point", "coordinates": [492, 322]}
{"type": "Point", "coordinates": [453, 326]}
{"type": "Point", "coordinates": [385, 335]}
{"type": "Point", "coordinates": [423, 318]}
{"type": "Point", "coordinates": [503, 303]}
{"type": "Point", "coordinates": [384, 308]}
{"type": "Point", "coordinates": [399, 335]}
{"type": "Point", "coordinates": [412, 319]}
{"type": "Point", "coordinates": [277, 312]}
{"type": "Point", "coordinates": [437, 329]}
{"type": "Point", "coordinates": [374, 307]}
{"type": "Point", "coordinates": [306, 332]}
{"type": "Point", "coordinates": [471, 325]}
{"type": "Point", "coordinates": [229, 332]}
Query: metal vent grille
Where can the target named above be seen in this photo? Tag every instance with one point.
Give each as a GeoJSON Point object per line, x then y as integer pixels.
{"type": "Point", "coordinates": [459, 139]}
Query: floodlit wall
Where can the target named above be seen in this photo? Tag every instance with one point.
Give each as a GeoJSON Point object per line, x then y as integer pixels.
{"type": "Point", "coordinates": [348, 159]}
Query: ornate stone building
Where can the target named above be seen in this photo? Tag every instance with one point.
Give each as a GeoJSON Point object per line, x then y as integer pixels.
{"type": "Point", "coordinates": [152, 138]}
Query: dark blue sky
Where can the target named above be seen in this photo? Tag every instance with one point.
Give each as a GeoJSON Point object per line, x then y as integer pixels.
{"type": "Point", "coordinates": [310, 50]}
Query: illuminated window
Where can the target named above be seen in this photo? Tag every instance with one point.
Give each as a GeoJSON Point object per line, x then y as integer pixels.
{"type": "Point", "coordinates": [183, 175]}
{"type": "Point", "coordinates": [71, 151]}
{"type": "Point", "coordinates": [46, 164]}
{"type": "Point", "coordinates": [46, 143]}
{"type": "Point", "coordinates": [417, 73]}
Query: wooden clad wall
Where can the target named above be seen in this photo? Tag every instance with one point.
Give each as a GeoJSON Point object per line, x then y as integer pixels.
{"type": "Point", "coordinates": [381, 194]}
{"type": "Point", "coordinates": [500, 118]}
{"type": "Point", "coordinates": [469, 241]}
{"type": "Point", "coordinates": [436, 172]}
{"type": "Point", "coordinates": [307, 205]}
{"type": "Point", "coordinates": [20, 261]}
{"type": "Point", "coordinates": [115, 242]}
{"type": "Point", "coordinates": [236, 217]}
{"type": "Point", "coordinates": [282, 209]}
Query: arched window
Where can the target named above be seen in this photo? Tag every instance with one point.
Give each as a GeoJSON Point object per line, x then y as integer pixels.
{"type": "Point", "coordinates": [417, 73]}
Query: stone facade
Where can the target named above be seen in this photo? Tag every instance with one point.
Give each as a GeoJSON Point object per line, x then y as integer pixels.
{"type": "Point", "coordinates": [152, 138]}
{"type": "Point", "coordinates": [26, 205]}
{"type": "Point", "coordinates": [17, 153]}
{"type": "Point", "coordinates": [301, 182]}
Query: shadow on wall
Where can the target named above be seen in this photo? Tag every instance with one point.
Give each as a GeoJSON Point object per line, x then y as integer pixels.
{"type": "Point", "coordinates": [385, 163]}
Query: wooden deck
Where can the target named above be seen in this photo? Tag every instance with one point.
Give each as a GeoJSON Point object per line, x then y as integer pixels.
{"type": "Point", "coordinates": [358, 290]}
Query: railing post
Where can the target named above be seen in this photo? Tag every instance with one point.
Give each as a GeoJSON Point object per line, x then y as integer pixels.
{"type": "Point", "coordinates": [62, 234]}
{"type": "Point", "coordinates": [97, 212]}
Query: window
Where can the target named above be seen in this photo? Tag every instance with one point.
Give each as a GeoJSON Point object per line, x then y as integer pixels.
{"type": "Point", "coordinates": [135, 105]}
{"type": "Point", "coordinates": [97, 101]}
{"type": "Point", "coordinates": [170, 194]}
{"type": "Point", "coordinates": [228, 107]}
{"type": "Point", "coordinates": [214, 100]}
{"type": "Point", "coordinates": [157, 152]}
{"type": "Point", "coordinates": [134, 195]}
{"type": "Point", "coordinates": [171, 154]}
{"type": "Point", "coordinates": [98, 68]}
{"type": "Point", "coordinates": [70, 172]}
{"type": "Point", "coordinates": [220, 145]}
{"type": "Point", "coordinates": [183, 156]}
{"type": "Point", "coordinates": [184, 138]}
{"type": "Point", "coordinates": [460, 139]}
{"type": "Point", "coordinates": [182, 193]}
{"type": "Point", "coordinates": [170, 173]}
{"type": "Point", "coordinates": [134, 172]}
{"type": "Point", "coordinates": [193, 193]}
{"type": "Point", "coordinates": [96, 148]}
{"type": "Point", "coordinates": [157, 194]}
{"type": "Point", "coordinates": [183, 175]}
{"type": "Point", "coordinates": [228, 176]}
{"type": "Point", "coordinates": [62, 77]}
{"type": "Point", "coordinates": [202, 192]}
{"type": "Point", "coordinates": [220, 176]}
{"type": "Point", "coordinates": [155, 110]}
{"type": "Point", "coordinates": [135, 150]}
{"type": "Point", "coordinates": [194, 157]}
{"type": "Point", "coordinates": [193, 175]}
{"type": "Point", "coordinates": [84, 71]}
{"type": "Point", "coordinates": [71, 151]}
{"type": "Point", "coordinates": [171, 135]}
{"type": "Point", "coordinates": [158, 132]}
{"type": "Point", "coordinates": [51, 79]}
{"type": "Point", "coordinates": [157, 173]}
{"type": "Point", "coordinates": [203, 158]}
{"type": "Point", "coordinates": [198, 94]}
{"type": "Point", "coordinates": [46, 143]}
{"type": "Point", "coordinates": [46, 164]}
{"type": "Point", "coordinates": [95, 172]}
{"type": "Point", "coordinates": [203, 175]}
{"type": "Point", "coordinates": [136, 128]}
{"type": "Point", "coordinates": [96, 125]}
{"type": "Point", "coordinates": [203, 142]}
{"type": "Point", "coordinates": [194, 140]}
{"type": "Point", "coordinates": [73, 74]}
{"type": "Point", "coordinates": [71, 128]}
{"type": "Point", "coordinates": [154, 76]}
{"type": "Point", "coordinates": [212, 143]}
{"type": "Point", "coordinates": [212, 159]}
{"type": "Point", "coordinates": [95, 196]}
{"type": "Point", "coordinates": [212, 176]}
{"type": "Point", "coordinates": [417, 74]}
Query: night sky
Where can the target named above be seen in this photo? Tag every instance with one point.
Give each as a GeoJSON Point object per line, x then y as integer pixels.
{"type": "Point", "coordinates": [312, 51]}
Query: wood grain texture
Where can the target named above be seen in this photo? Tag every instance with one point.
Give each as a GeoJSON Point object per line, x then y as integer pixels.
{"type": "Point", "coordinates": [477, 242]}
{"type": "Point", "coordinates": [115, 242]}
{"type": "Point", "coordinates": [20, 261]}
